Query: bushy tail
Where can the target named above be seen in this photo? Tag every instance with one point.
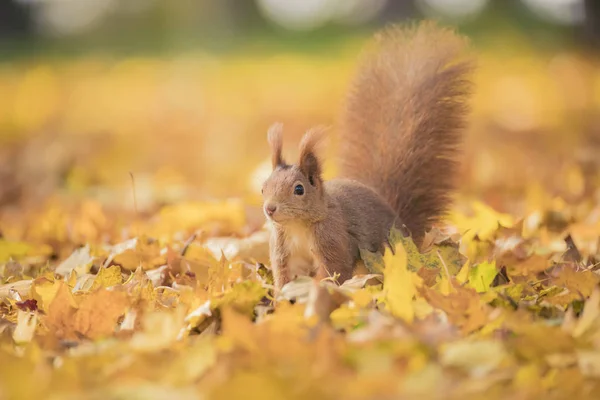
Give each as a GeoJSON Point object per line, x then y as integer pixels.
{"type": "Point", "coordinates": [402, 125]}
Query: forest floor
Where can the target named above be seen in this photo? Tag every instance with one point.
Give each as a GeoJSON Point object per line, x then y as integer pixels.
{"type": "Point", "coordinates": [134, 261]}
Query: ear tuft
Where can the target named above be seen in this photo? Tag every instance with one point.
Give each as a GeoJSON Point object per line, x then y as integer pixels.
{"type": "Point", "coordinates": [309, 163]}
{"type": "Point", "coordinates": [275, 139]}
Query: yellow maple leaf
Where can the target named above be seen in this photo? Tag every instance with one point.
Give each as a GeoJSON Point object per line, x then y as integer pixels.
{"type": "Point", "coordinates": [146, 254]}
{"type": "Point", "coordinates": [44, 291]}
{"type": "Point", "coordinates": [98, 312]}
{"type": "Point", "coordinates": [483, 223]}
{"type": "Point", "coordinates": [239, 331]}
{"type": "Point", "coordinates": [107, 277]}
{"type": "Point", "coordinates": [60, 312]}
{"type": "Point", "coordinates": [482, 275]}
{"type": "Point", "coordinates": [399, 284]}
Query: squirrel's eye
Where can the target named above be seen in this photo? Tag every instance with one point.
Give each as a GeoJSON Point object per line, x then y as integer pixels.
{"type": "Point", "coordinates": [299, 190]}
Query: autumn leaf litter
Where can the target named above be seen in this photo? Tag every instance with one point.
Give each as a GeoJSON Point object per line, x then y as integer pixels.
{"type": "Point", "coordinates": [494, 306]}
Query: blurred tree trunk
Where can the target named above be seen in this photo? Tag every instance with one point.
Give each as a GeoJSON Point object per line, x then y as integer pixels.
{"type": "Point", "coordinates": [592, 22]}
{"type": "Point", "coordinates": [15, 19]}
{"type": "Point", "coordinates": [395, 11]}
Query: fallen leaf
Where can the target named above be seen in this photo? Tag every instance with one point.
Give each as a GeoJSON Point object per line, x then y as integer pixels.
{"type": "Point", "coordinates": [160, 329]}
{"type": "Point", "coordinates": [482, 275]}
{"type": "Point", "coordinates": [22, 287]}
{"type": "Point", "coordinates": [590, 315]}
{"type": "Point", "coordinates": [298, 289]}
{"type": "Point", "coordinates": [97, 314]}
{"type": "Point", "coordinates": [589, 363]}
{"type": "Point", "coordinates": [44, 291]}
{"type": "Point", "coordinates": [107, 277]}
{"type": "Point", "coordinates": [399, 284]}
{"type": "Point", "coordinates": [479, 357]}
{"type": "Point", "coordinates": [79, 261]}
{"type": "Point", "coordinates": [254, 247]}
{"type": "Point", "coordinates": [25, 329]}
{"type": "Point", "coordinates": [60, 311]}
{"type": "Point", "coordinates": [463, 306]}
{"type": "Point", "coordinates": [27, 305]}
{"type": "Point", "coordinates": [146, 254]}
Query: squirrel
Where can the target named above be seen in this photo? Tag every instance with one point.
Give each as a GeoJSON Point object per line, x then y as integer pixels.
{"type": "Point", "coordinates": [401, 131]}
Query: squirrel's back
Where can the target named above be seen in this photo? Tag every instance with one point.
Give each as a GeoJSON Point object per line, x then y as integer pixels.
{"type": "Point", "coordinates": [401, 128]}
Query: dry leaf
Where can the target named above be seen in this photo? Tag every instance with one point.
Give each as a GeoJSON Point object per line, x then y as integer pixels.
{"type": "Point", "coordinates": [98, 313]}
{"type": "Point", "coordinates": [400, 284]}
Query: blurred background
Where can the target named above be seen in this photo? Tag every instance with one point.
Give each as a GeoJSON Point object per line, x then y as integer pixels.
{"type": "Point", "coordinates": [178, 94]}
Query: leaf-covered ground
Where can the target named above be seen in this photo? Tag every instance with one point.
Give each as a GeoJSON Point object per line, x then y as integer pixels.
{"type": "Point", "coordinates": [165, 294]}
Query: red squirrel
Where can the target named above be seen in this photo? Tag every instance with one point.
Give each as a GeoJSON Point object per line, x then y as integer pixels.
{"type": "Point", "coordinates": [401, 131]}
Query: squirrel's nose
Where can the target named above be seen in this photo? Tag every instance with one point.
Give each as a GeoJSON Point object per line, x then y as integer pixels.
{"type": "Point", "coordinates": [270, 209]}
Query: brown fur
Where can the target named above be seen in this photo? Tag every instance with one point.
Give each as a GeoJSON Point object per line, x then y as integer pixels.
{"type": "Point", "coordinates": [275, 139]}
{"type": "Point", "coordinates": [403, 121]}
{"type": "Point", "coordinates": [401, 129]}
{"type": "Point", "coordinates": [309, 147]}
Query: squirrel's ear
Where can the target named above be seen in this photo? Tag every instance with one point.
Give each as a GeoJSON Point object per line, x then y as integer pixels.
{"type": "Point", "coordinates": [309, 163]}
{"type": "Point", "coordinates": [274, 137]}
